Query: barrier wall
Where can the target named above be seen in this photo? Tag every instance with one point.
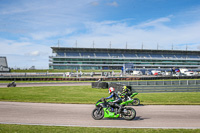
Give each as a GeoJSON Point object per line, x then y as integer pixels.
{"type": "Point", "coordinates": [156, 86]}
{"type": "Point", "coordinates": [96, 79]}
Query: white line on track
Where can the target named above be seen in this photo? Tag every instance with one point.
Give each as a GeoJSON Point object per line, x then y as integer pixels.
{"type": "Point", "coordinates": [99, 126]}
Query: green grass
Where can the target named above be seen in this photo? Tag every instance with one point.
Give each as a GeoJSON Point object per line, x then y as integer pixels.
{"type": "Point", "coordinates": [88, 95]}
{"type": "Point", "coordinates": [63, 81]}
{"type": "Point", "coordinates": [57, 94]}
{"type": "Point", "coordinates": [56, 129]}
{"type": "Point", "coordinates": [176, 98]}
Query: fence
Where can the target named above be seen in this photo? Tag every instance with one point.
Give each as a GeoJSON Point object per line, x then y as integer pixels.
{"type": "Point", "coordinates": [160, 86]}
{"type": "Point", "coordinates": [7, 75]}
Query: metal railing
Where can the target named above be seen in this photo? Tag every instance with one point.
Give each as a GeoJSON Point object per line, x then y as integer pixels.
{"type": "Point", "coordinates": [123, 57]}
{"type": "Point", "coordinates": [7, 75]}
{"type": "Point", "coordinates": [161, 83]}
{"type": "Point", "coordinates": [162, 86]}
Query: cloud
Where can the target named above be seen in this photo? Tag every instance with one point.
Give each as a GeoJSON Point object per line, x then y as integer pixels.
{"type": "Point", "coordinates": [43, 35]}
{"type": "Point", "coordinates": [35, 53]}
{"type": "Point", "coordinates": [23, 62]}
{"type": "Point", "coordinates": [28, 30]}
{"type": "Point", "coordinates": [12, 46]}
{"type": "Point", "coordinates": [18, 51]}
{"type": "Point", "coordinates": [119, 32]}
{"type": "Point", "coordinates": [159, 21]}
{"type": "Point", "coordinates": [20, 48]}
{"type": "Point", "coordinates": [33, 59]}
{"type": "Point", "coordinates": [95, 3]}
{"type": "Point", "coordinates": [115, 4]}
{"type": "Point", "coordinates": [23, 17]}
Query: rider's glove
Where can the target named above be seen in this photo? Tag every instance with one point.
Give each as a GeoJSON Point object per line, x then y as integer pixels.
{"type": "Point", "coordinates": [103, 99]}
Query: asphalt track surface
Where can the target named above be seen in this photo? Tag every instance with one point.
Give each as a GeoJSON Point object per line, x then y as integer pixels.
{"type": "Point", "coordinates": [48, 84]}
{"type": "Point", "coordinates": [148, 116]}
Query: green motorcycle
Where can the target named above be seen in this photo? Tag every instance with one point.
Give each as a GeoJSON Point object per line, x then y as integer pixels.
{"type": "Point", "coordinates": [105, 109]}
{"type": "Point", "coordinates": [129, 96]}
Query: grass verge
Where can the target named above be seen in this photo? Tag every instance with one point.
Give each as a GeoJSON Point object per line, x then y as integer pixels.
{"type": "Point", "coordinates": [63, 81]}
{"type": "Point", "coordinates": [88, 95]}
{"type": "Point", "coordinates": [56, 129]}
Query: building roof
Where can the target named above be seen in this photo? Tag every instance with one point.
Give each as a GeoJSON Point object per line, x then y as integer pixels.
{"type": "Point", "coordinates": [67, 49]}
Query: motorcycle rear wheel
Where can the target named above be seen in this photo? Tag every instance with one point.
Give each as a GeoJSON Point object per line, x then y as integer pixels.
{"type": "Point", "coordinates": [130, 115]}
{"type": "Point", "coordinates": [136, 102]}
{"type": "Point", "coordinates": [96, 115]}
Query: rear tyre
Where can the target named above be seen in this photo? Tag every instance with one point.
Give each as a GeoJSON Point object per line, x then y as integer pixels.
{"type": "Point", "coordinates": [136, 102]}
{"type": "Point", "coordinates": [97, 115]}
{"type": "Point", "coordinates": [129, 114]}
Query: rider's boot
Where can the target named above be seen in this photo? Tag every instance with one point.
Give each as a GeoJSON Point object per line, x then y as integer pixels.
{"type": "Point", "coordinates": [120, 109]}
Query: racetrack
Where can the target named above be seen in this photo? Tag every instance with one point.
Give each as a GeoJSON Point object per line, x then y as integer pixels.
{"type": "Point", "coordinates": [48, 84]}
{"type": "Point", "coordinates": [148, 116]}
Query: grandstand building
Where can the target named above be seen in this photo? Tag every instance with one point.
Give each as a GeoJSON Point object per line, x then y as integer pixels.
{"type": "Point", "coordinates": [111, 58]}
{"type": "Point", "coordinates": [3, 64]}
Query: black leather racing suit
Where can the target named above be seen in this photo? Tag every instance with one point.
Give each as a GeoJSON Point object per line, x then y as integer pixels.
{"type": "Point", "coordinates": [116, 98]}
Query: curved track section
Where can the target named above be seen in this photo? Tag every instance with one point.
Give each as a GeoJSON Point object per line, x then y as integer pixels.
{"type": "Point", "coordinates": [48, 84]}
{"type": "Point", "coordinates": [150, 116]}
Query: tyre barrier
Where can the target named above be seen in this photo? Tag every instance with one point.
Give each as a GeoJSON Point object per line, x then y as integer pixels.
{"type": "Point", "coordinates": [103, 85]}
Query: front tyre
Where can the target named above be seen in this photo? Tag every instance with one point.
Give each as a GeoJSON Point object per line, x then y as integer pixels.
{"type": "Point", "coordinates": [136, 102]}
{"type": "Point", "coordinates": [97, 113]}
{"type": "Point", "coordinates": [8, 85]}
{"type": "Point", "coordinates": [129, 113]}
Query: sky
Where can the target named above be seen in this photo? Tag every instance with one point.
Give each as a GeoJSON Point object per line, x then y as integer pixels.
{"type": "Point", "coordinates": [29, 28]}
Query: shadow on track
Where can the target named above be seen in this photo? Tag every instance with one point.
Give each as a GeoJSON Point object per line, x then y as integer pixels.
{"type": "Point", "coordinates": [137, 118]}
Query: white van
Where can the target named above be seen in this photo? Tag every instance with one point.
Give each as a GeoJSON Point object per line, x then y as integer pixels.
{"type": "Point", "coordinates": [137, 73]}
{"type": "Point", "coordinates": [189, 73]}
{"type": "Point", "coordinates": [183, 70]}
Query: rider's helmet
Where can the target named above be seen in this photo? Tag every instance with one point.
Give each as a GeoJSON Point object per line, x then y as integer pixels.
{"type": "Point", "coordinates": [124, 88]}
{"type": "Point", "coordinates": [111, 89]}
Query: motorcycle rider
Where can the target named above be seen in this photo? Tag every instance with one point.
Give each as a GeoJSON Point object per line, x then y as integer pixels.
{"type": "Point", "coordinates": [126, 91]}
{"type": "Point", "coordinates": [116, 98]}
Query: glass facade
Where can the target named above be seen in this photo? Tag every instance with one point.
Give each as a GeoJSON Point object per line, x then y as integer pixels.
{"type": "Point", "coordinates": [91, 58]}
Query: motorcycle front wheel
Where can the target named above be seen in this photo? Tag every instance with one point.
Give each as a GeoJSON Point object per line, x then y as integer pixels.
{"type": "Point", "coordinates": [129, 114]}
{"type": "Point", "coordinates": [136, 102]}
{"type": "Point", "coordinates": [97, 114]}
